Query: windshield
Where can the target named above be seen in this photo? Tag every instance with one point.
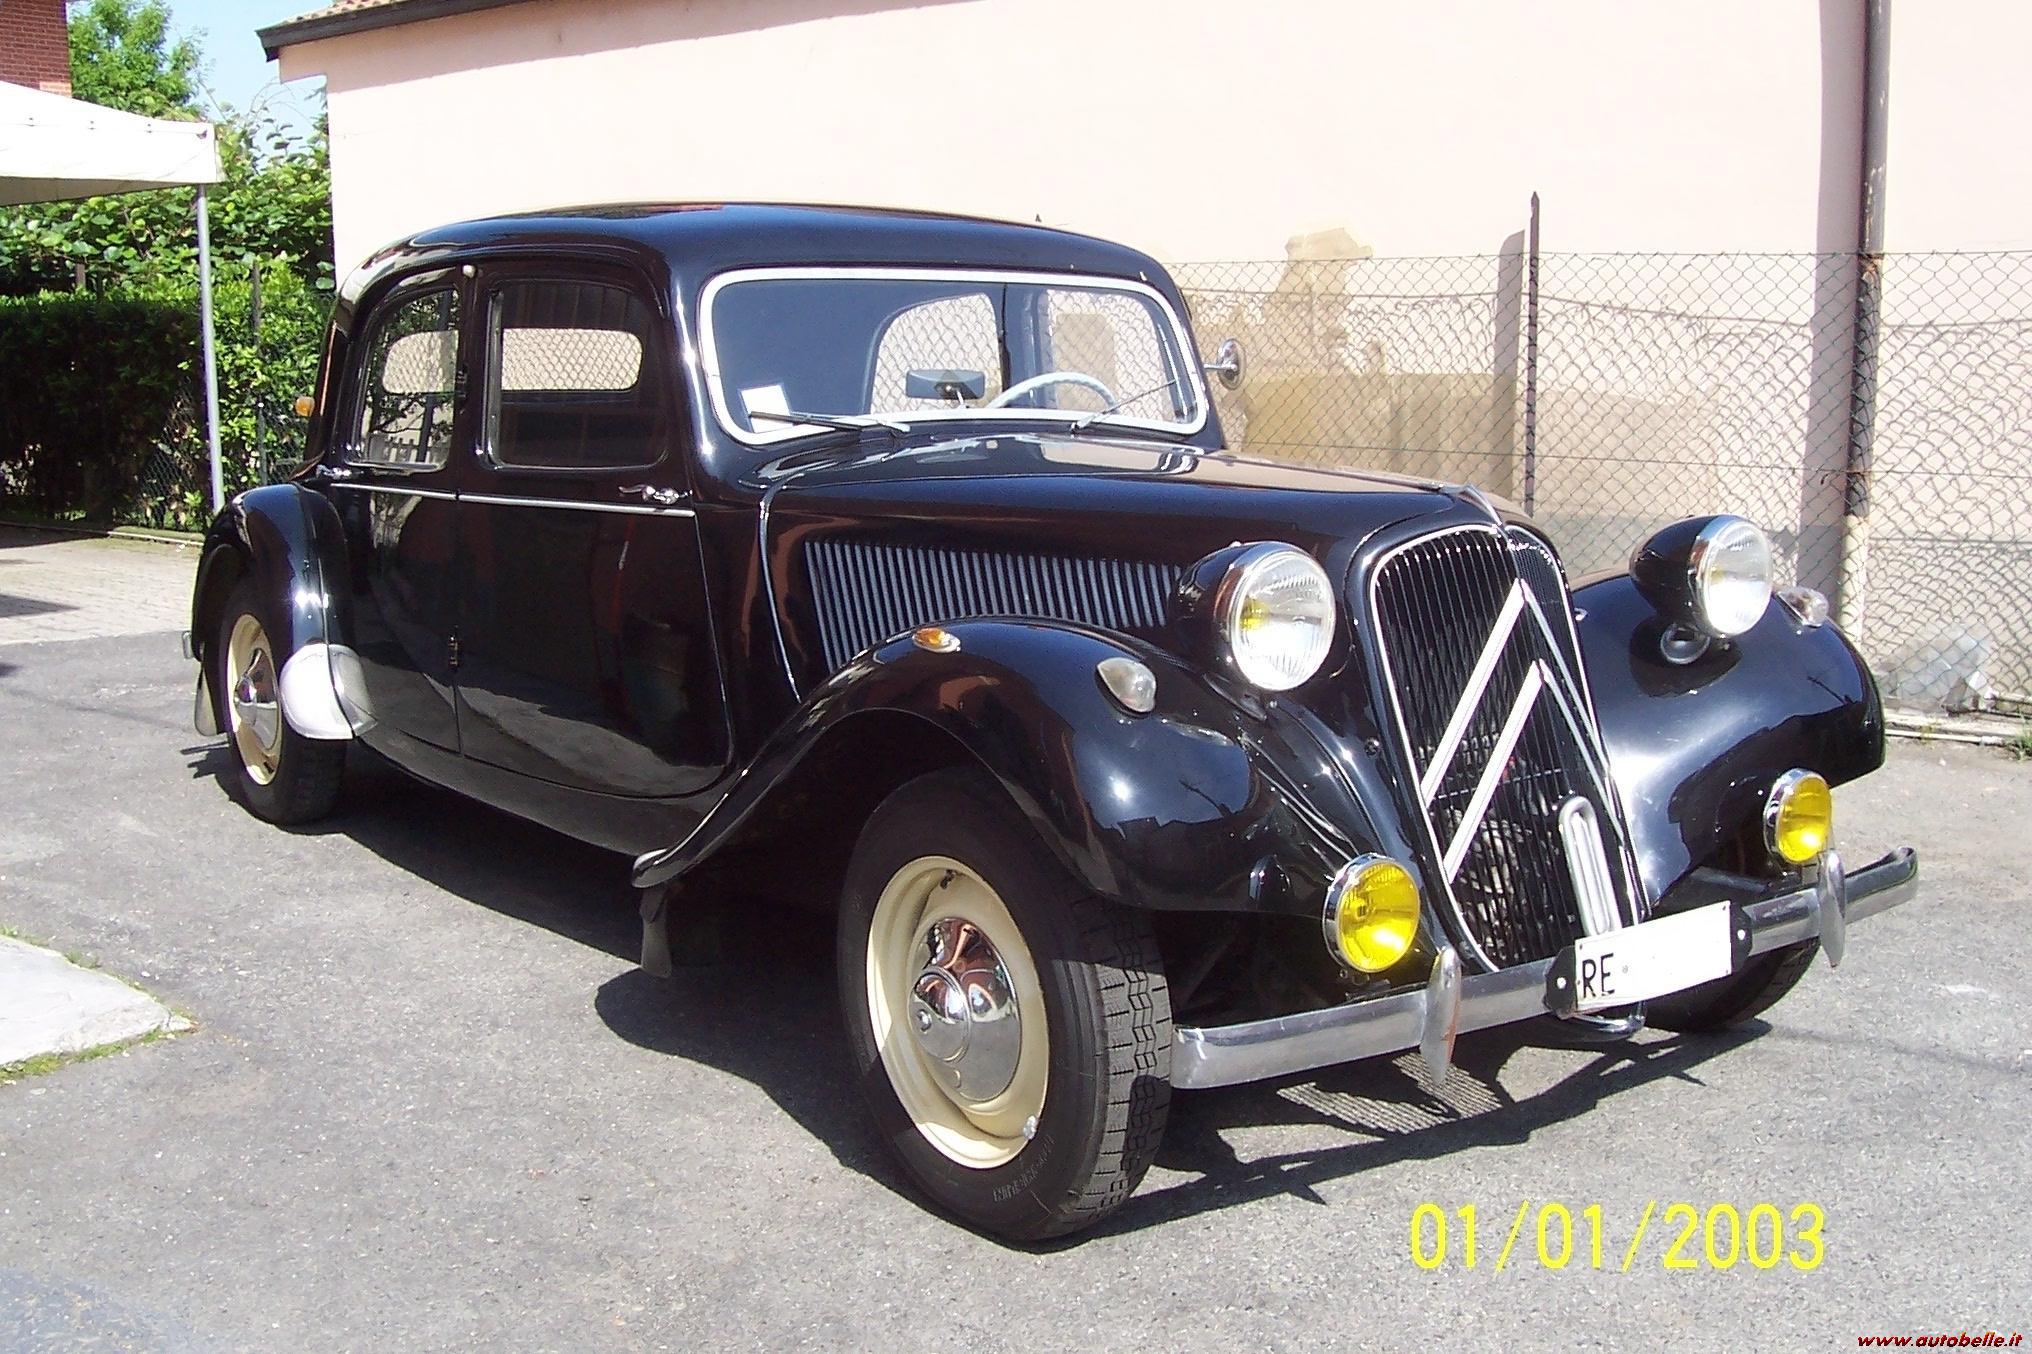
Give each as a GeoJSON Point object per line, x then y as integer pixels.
{"type": "Point", "coordinates": [903, 347]}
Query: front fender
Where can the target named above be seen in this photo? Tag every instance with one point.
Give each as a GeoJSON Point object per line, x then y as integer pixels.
{"type": "Point", "coordinates": [1203, 804]}
{"type": "Point", "coordinates": [1694, 749]}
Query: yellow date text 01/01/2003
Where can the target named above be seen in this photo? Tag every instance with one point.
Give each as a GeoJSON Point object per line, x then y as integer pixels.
{"type": "Point", "coordinates": [1682, 1235]}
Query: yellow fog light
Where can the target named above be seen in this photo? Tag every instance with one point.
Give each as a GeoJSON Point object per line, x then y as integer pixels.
{"type": "Point", "coordinates": [1371, 913]}
{"type": "Point", "coordinates": [1799, 817]}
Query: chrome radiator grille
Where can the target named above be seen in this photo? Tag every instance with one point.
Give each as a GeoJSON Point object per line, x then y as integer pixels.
{"type": "Point", "coordinates": [1481, 664]}
{"type": "Point", "coordinates": [867, 592]}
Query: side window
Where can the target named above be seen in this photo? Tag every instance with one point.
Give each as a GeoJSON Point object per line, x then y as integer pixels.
{"type": "Point", "coordinates": [406, 395]}
{"type": "Point", "coordinates": [571, 383]}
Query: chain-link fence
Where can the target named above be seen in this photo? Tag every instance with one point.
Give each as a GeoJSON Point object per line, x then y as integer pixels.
{"type": "Point", "coordinates": [1611, 393]}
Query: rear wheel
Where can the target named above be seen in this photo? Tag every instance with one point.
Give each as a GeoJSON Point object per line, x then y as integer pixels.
{"type": "Point", "coordinates": [1012, 1032]}
{"type": "Point", "coordinates": [283, 776]}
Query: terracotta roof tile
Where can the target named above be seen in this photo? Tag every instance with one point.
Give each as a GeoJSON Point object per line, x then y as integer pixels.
{"type": "Point", "coordinates": [356, 16]}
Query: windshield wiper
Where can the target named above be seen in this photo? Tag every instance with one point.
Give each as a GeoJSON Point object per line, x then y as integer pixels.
{"type": "Point", "coordinates": [844, 422]}
{"type": "Point", "coordinates": [1083, 420]}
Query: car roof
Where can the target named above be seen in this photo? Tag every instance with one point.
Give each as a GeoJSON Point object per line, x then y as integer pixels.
{"type": "Point", "coordinates": [698, 240]}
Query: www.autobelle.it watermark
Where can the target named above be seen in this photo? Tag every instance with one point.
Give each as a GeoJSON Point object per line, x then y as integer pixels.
{"type": "Point", "coordinates": [1988, 1339]}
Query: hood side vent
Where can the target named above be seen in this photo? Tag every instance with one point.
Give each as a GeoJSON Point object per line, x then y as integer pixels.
{"type": "Point", "coordinates": [867, 593]}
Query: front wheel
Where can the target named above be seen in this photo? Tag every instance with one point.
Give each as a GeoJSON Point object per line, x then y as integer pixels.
{"type": "Point", "coordinates": [1011, 1032]}
{"type": "Point", "coordinates": [1728, 1002]}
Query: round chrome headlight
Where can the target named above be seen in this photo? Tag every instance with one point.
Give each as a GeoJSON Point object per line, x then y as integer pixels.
{"type": "Point", "coordinates": [1276, 616]}
{"type": "Point", "coordinates": [1710, 572]}
{"type": "Point", "coordinates": [1731, 566]}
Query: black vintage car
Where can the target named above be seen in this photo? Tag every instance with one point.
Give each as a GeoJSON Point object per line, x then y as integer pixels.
{"type": "Point", "coordinates": [898, 559]}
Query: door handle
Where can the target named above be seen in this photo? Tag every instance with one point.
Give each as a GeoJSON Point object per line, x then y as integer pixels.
{"type": "Point", "coordinates": [650, 493]}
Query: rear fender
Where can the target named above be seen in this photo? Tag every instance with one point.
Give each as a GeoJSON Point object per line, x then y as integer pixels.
{"type": "Point", "coordinates": [287, 539]}
{"type": "Point", "coordinates": [1211, 802]}
{"type": "Point", "coordinates": [1695, 749]}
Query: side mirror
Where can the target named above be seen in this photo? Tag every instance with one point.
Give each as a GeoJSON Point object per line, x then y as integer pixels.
{"type": "Point", "coordinates": [945, 383]}
{"type": "Point", "coordinates": [1227, 364]}
{"type": "Point", "coordinates": [305, 406]}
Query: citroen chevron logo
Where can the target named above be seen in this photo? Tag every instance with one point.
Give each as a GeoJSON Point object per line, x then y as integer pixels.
{"type": "Point", "coordinates": [1539, 680]}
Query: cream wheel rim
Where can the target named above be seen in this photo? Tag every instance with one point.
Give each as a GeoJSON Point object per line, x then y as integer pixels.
{"type": "Point", "coordinates": [251, 700]}
{"type": "Point", "coordinates": [958, 1012]}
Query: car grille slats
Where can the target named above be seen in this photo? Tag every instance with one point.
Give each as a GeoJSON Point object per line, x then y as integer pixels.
{"type": "Point", "coordinates": [1480, 660]}
{"type": "Point", "coordinates": [867, 592]}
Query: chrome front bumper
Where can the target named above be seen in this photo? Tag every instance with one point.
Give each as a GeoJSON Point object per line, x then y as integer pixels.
{"type": "Point", "coordinates": [1452, 1004]}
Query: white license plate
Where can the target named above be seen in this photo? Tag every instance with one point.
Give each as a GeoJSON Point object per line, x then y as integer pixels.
{"type": "Point", "coordinates": [1638, 963]}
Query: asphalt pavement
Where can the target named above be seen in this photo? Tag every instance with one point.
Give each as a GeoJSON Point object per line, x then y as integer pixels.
{"type": "Point", "coordinates": [431, 1103]}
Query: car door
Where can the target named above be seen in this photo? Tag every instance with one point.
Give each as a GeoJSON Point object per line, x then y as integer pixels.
{"type": "Point", "coordinates": [586, 651]}
{"type": "Point", "coordinates": [402, 427]}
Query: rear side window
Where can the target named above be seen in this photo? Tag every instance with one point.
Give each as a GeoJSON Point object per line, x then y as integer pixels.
{"type": "Point", "coordinates": [572, 383]}
{"type": "Point", "coordinates": [406, 400]}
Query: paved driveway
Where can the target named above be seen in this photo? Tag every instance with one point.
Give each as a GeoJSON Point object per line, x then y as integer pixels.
{"type": "Point", "coordinates": [431, 1104]}
{"type": "Point", "coordinates": [56, 586]}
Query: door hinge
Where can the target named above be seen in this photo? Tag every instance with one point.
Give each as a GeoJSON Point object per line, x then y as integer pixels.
{"type": "Point", "coordinates": [452, 652]}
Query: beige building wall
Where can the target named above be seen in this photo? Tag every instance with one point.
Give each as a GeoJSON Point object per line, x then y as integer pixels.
{"type": "Point", "coordinates": [1197, 129]}
{"type": "Point", "coordinates": [1960, 126]}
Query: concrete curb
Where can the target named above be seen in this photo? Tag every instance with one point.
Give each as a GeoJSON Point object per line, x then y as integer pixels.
{"type": "Point", "coordinates": [51, 1007]}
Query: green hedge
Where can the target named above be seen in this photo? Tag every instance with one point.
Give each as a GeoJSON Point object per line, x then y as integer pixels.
{"type": "Point", "coordinates": [101, 402]}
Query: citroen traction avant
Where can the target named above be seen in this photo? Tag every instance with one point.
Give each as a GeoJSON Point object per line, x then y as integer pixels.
{"type": "Point", "coordinates": [897, 562]}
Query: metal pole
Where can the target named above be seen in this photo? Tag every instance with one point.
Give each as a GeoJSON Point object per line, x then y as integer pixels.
{"type": "Point", "coordinates": [1531, 362]}
{"type": "Point", "coordinates": [1853, 590]}
{"type": "Point", "coordinates": [211, 361]}
{"type": "Point", "coordinates": [254, 325]}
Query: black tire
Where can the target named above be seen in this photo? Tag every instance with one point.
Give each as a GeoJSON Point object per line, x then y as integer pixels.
{"type": "Point", "coordinates": [303, 782]}
{"type": "Point", "coordinates": [1728, 1002]}
{"type": "Point", "coordinates": [1105, 998]}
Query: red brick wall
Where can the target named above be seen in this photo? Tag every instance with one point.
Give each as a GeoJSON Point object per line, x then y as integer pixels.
{"type": "Point", "coordinates": [34, 47]}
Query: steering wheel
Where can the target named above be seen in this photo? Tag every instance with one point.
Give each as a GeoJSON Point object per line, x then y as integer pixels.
{"type": "Point", "coordinates": [1052, 378]}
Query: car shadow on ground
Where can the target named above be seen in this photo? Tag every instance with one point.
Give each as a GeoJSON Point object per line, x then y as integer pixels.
{"type": "Point", "coordinates": [753, 995]}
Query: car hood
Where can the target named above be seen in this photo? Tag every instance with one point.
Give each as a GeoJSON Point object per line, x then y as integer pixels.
{"type": "Point", "coordinates": [1086, 496]}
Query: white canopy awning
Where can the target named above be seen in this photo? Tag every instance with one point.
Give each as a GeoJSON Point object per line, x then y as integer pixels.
{"type": "Point", "coordinates": [53, 149]}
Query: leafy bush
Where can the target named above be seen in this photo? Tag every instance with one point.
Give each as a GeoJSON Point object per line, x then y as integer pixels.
{"type": "Point", "coordinates": [102, 402]}
{"type": "Point", "coordinates": [101, 406]}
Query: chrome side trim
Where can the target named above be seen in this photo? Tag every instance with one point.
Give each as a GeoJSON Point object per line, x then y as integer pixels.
{"type": "Point", "coordinates": [1226, 1055]}
{"type": "Point", "coordinates": [769, 586]}
{"type": "Point", "coordinates": [399, 490]}
{"type": "Point", "coordinates": [505, 501]}
{"type": "Point", "coordinates": [632, 509]}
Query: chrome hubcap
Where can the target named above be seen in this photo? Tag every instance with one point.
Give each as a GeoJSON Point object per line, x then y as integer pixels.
{"type": "Point", "coordinates": [254, 699]}
{"type": "Point", "coordinates": [957, 1010]}
{"type": "Point", "coordinates": [250, 693]}
{"type": "Point", "coordinates": [963, 1012]}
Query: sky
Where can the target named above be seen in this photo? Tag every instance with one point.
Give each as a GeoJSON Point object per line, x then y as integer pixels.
{"type": "Point", "coordinates": [239, 74]}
